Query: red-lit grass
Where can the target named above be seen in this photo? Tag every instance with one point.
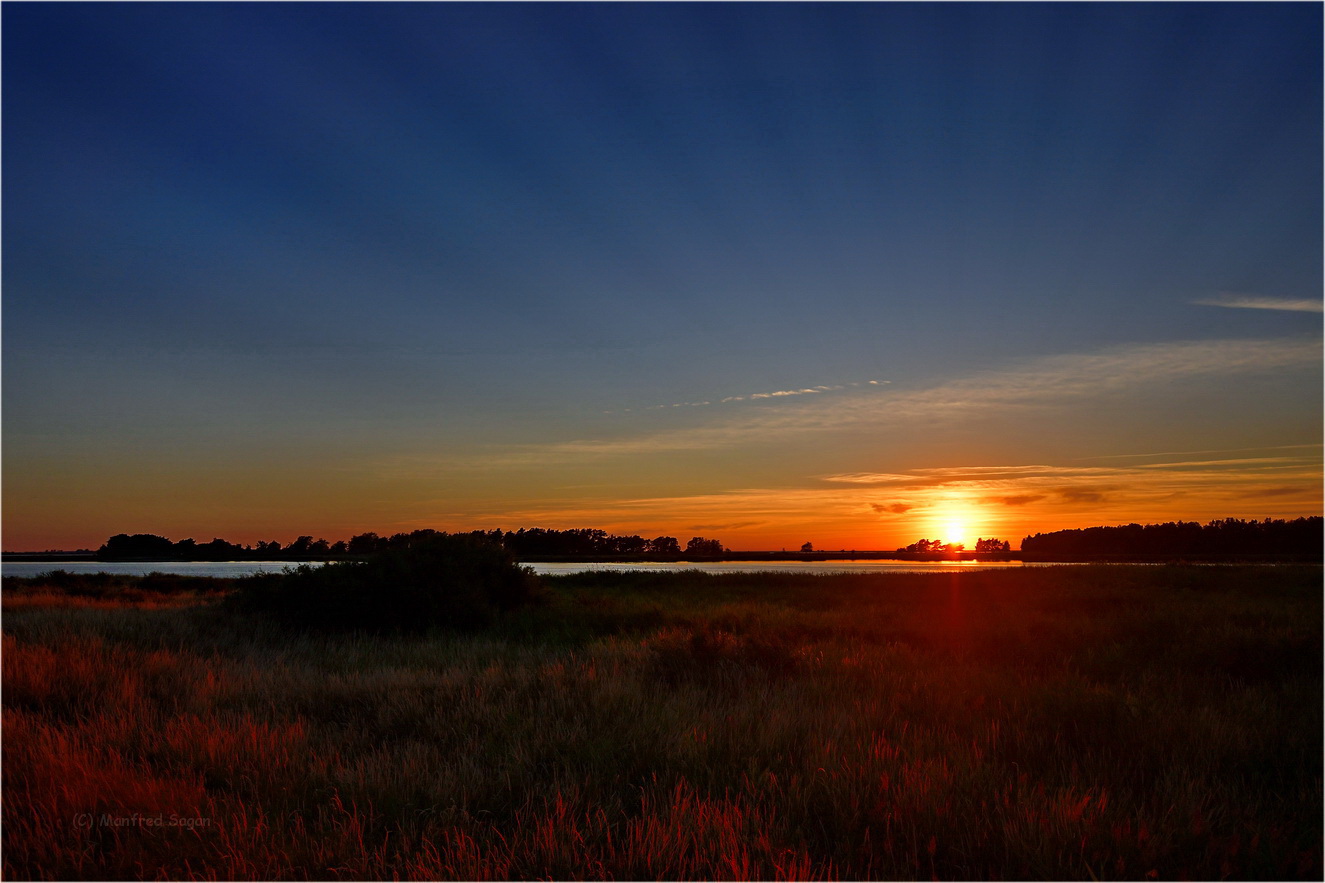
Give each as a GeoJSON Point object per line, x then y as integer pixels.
{"type": "Point", "coordinates": [143, 600]}
{"type": "Point", "coordinates": [105, 591]}
{"type": "Point", "coordinates": [1066, 724]}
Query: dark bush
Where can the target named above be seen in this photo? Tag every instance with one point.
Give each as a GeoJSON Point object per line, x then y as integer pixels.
{"type": "Point", "coordinates": [446, 581]}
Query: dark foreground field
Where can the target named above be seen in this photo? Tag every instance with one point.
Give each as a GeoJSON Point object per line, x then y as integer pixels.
{"type": "Point", "coordinates": [1055, 723]}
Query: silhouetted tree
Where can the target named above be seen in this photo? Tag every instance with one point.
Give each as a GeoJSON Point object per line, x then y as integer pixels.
{"type": "Point", "coordinates": [664, 546]}
{"type": "Point", "coordinates": [1299, 538]}
{"type": "Point", "coordinates": [923, 547]}
{"type": "Point", "coordinates": [140, 545]}
{"type": "Point", "coordinates": [702, 546]}
{"type": "Point", "coordinates": [932, 547]}
{"type": "Point", "coordinates": [526, 543]}
{"type": "Point", "coordinates": [218, 550]}
{"type": "Point", "coordinates": [299, 547]}
{"type": "Point", "coordinates": [632, 545]}
{"type": "Point", "coordinates": [365, 544]}
{"type": "Point", "coordinates": [992, 545]}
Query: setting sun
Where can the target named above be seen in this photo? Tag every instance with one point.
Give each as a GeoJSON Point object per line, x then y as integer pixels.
{"type": "Point", "coordinates": [954, 531]}
{"type": "Point", "coordinates": [748, 441]}
{"type": "Point", "coordinates": [958, 522]}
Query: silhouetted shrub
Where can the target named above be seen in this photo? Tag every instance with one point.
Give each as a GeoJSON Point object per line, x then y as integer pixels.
{"type": "Point", "coordinates": [447, 581]}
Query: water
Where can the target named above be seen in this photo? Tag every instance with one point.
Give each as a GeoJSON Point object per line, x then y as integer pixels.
{"type": "Point", "coordinates": [884, 566]}
{"type": "Point", "coordinates": [142, 568]}
{"type": "Point", "coordinates": [245, 568]}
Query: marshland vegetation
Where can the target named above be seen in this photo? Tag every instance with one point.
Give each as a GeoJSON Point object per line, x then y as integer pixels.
{"type": "Point", "coordinates": [1048, 723]}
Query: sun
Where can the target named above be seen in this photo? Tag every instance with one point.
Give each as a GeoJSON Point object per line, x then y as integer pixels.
{"type": "Point", "coordinates": [957, 521]}
{"type": "Point", "coordinates": [954, 531]}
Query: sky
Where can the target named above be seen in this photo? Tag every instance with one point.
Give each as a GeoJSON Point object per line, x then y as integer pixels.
{"type": "Point", "coordinates": [849, 274]}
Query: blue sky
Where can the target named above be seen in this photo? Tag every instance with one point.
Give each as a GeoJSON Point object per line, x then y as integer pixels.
{"type": "Point", "coordinates": [297, 268]}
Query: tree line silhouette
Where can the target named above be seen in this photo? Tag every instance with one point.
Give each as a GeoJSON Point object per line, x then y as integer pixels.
{"type": "Point", "coordinates": [526, 543]}
{"type": "Point", "coordinates": [1300, 538]}
{"type": "Point", "coordinates": [1228, 537]}
{"type": "Point", "coordinates": [938, 547]}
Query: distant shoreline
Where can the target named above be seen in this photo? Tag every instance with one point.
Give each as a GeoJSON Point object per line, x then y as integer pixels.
{"type": "Point", "coordinates": [839, 555]}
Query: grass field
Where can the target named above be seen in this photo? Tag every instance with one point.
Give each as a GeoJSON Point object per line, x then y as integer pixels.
{"type": "Point", "coordinates": [1084, 723]}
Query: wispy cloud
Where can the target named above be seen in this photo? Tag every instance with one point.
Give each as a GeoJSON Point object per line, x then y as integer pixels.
{"type": "Point", "coordinates": [737, 509]}
{"type": "Point", "coordinates": [1008, 502]}
{"type": "Point", "coordinates": [983, 476]}
{"type": "Point", "coordinates": [1242, 461]}
{"type": "Point", "coordinates": [1251, 302]}
{"type": "Point", "coordinates": [1049, 381]}
{"type": "Point", "coordinates": [1013, 500]}
{"type": "Point", "coordinates": [1291, 491]}
{"type": "Point", "coordinates": [756, 396]}
{"type": "Point", "coordinates": [1203, 451]}
{"type": "Point", "coordinates": [1099, 494]}
{"type": "Point", "coordinates": [800, 392]}
{"type": "Point", "coordinates": [868, 477]}
{"type": "Point", "coordinates": [1002, 470]}
{"type": "Point", "coordinates": [1058, 378]}
{"type": "Point", "coordinates": [1082, 494]}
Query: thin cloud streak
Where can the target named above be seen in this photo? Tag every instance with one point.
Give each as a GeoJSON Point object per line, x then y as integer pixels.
{"type": "Point", "coordinates": [1022, 485]}
{"type": "Point", "coordinates": [1248, 302]}
{"type": "Point", "coordinates": [1005, 505]}
{"type": "Point", "coordinates": [756, 396]}
{"type": "Point", "coordinates": [1075, 376]}
{"type": "Point", "coordinates": [1014, 500]}
{"type": "Point", "coordinates": [867, 477]}
{"type": "Point", "coordinates": [1245, 461]}
{"type": "Point", "coordinates": [1001, 470]}
{"type": "Point", "coordinates": [1205, 451]}
{"type": "Point", "coordinates": [1042, 382]}
{"type": "Point", "coordinates": [947, 474]}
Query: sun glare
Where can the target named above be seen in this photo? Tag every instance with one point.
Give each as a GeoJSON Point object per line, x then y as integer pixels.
{"type": "Point", "coordinates": [958, 522]}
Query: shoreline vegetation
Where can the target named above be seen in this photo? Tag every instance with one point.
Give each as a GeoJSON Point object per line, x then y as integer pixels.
{"type": "Point", "coordinates": [1067, 723]}
{"type": "Point", "coordinates": [1228, 540]}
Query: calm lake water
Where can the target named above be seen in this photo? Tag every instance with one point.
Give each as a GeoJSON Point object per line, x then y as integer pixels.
{"type": "Point", "coordinates": [784, 566]}
{"type": "Point", "coordinates": [141, 568]}
{"type": "Point", "coordinates": [245, 568]}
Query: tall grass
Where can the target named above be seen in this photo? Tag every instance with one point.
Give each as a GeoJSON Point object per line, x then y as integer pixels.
{"type": "Point", "coordinates": [1064, 723]}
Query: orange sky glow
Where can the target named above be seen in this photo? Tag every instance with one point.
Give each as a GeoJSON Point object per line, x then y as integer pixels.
{"type": "Point", "coordinates": [846, 274]}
